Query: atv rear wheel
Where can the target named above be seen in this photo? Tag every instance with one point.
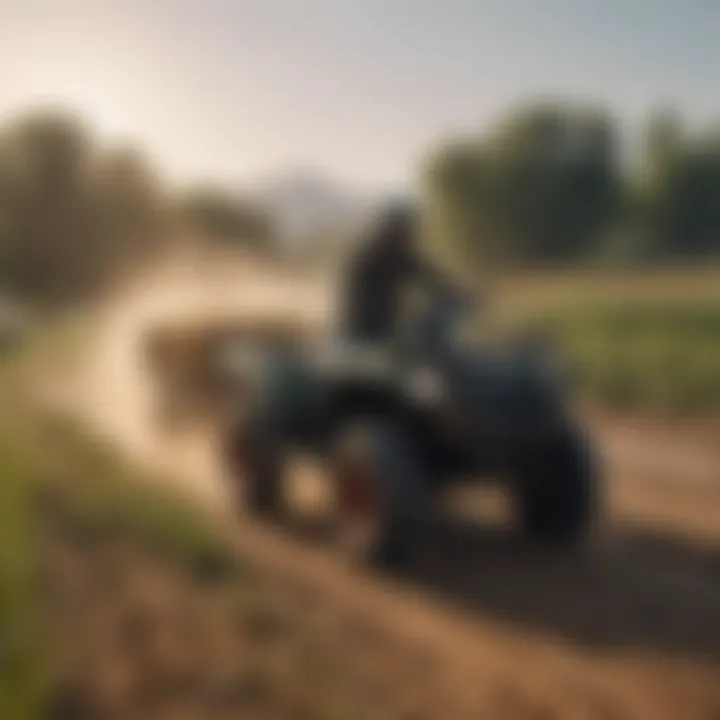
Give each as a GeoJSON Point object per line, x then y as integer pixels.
{"type": "Point", "coordinates": [380, 492]}
{"type": "Point", "coordinates": [557, 490]}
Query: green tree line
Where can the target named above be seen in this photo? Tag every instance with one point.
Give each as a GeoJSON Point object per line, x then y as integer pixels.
{"type": "Point", "coordinates": [548, 184]}
{"type": "Point", "coordinates": [558, 184]}
{"type": "Point", "coordinates": [77, 214]}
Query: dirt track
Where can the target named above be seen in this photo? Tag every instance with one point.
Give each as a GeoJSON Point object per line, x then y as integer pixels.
{"type": "Point", "coordinates": [629, 628]}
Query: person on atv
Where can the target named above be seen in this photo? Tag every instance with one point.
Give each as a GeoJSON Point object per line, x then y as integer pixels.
{"type": "Point", "coordinates": [387, 264]}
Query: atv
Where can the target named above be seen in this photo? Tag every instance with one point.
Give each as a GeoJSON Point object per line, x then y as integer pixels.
{"type": "Point", "coordinates": [393, 426]}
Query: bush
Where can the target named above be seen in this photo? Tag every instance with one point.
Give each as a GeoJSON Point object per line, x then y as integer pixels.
{"type": "Point", "coordinates": [223, 218]}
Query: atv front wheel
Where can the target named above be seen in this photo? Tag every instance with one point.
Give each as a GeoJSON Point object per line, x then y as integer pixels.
{"type": "Point", "coordinates": [254, 457]}
{"type": "Point", "coordinates": [380, 492]}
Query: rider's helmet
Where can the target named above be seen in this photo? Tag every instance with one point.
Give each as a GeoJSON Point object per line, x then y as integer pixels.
{"type": "Point", "coordinates": [397, 224]}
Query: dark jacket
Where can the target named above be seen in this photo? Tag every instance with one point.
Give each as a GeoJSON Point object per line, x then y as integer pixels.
{"type": "Point", "coordinates": [374, 283]}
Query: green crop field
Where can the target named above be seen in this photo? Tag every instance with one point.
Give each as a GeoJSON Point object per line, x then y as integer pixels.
{"type": "Point", "coordinates": [645, 341]}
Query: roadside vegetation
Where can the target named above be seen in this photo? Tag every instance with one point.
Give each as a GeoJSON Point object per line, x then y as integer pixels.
{"type": "Point", "coordinates": [20, 651]}
{"type": "Point", "coordinates": [61, 488]}
{"type": "Point", "coordinates": [636, 344]}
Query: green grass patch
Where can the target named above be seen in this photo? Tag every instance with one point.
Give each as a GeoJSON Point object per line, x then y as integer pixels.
{"type": "Point", "coordinates": [655, 353]}
{"type": "Point", "coordinates": [51, 471]}
{"type": "Point", "coordinates": [21, 676]}
{"type": "Point", "coordinates": [99, 494]}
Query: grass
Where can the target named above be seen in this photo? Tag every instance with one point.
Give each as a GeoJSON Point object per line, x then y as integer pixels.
{"type": "Point", "coordinates": [642, 344]}
{"type": "Point", "coordinates": [20, 656]}
{"type": "Point", "coordinates": [48, 466]}
{"type": "Point", "coordinates": [101, 494]}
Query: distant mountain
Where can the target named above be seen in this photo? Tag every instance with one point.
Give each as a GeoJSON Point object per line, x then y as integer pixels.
{"type": "Point", "coordinates": [308, 207]}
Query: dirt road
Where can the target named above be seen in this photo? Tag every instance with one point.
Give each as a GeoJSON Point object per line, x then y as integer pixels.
{"type": "Point", "coordinates": [627, 628]}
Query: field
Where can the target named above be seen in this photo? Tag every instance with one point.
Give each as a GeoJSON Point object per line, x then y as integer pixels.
{"type": "Point", "coordinates": [645, 342]}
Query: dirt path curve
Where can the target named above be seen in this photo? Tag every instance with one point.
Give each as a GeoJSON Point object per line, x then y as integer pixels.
{"type": "Point", "coordinates": [629, 628]}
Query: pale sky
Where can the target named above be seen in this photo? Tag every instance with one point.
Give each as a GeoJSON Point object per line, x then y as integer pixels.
{"type": "Point", "coordinates": [235, 90]}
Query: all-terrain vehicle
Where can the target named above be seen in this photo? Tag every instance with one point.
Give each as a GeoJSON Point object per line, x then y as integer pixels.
{"type": "Point", "coordinates": [393, 426]}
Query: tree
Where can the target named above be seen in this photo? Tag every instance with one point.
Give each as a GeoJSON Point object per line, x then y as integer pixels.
{"type": "Point", "coordinates": [128, 208]}
{"type": "Point", "coordinates": [542, 186]}
{"type": "Point", "coordinates": [71, 214]}
{"type": "Point", "coordinates": [679, 196]}
{"type": "Point", "coordinates": [222, 217]}
{"type": "Point", "coordinates": [43, 168]}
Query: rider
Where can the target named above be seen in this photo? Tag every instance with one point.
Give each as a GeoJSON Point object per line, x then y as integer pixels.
{"type": "Point", "coordinates": [378, 274]}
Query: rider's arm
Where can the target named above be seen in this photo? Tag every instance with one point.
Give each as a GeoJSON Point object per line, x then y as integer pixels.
{"type": "Point", "coordinates": [434, 278]}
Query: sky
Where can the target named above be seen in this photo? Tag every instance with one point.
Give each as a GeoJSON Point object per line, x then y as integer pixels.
{"type": "Point", "coordinates": [239, 90]}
